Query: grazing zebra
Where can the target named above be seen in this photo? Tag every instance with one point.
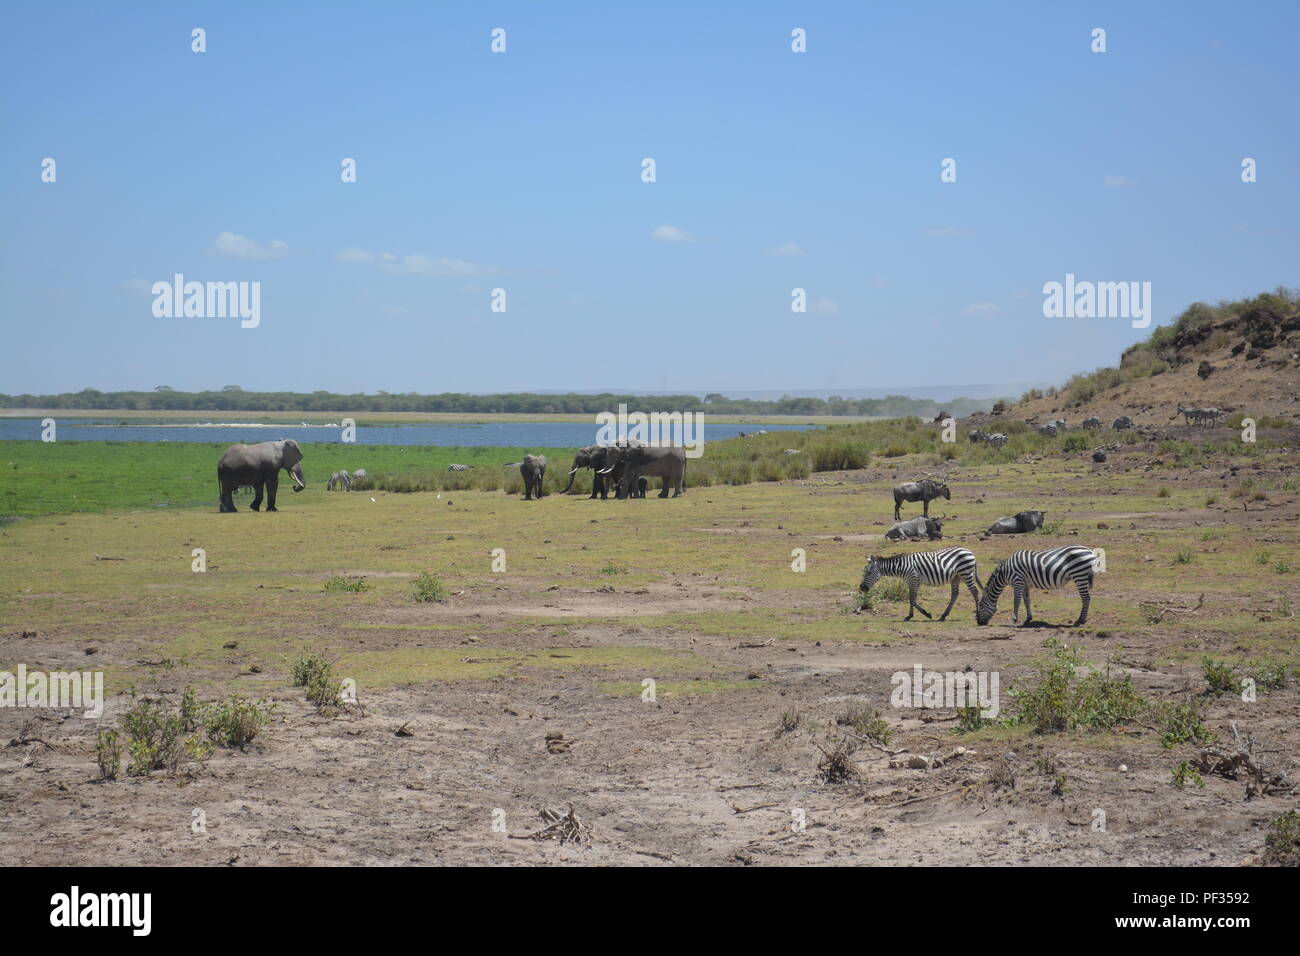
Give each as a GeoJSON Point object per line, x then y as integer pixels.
{"type": "Point", "coordinates": [997, 440]}
{"type": "Point", "coordinates": [1041, 569]}
{"type": "Point", "coordinates": [951, 565]}
{"type": "Point", "coordinates": [341, 479]}
{"type": "Point", "coordinates": [458, 467]}
{"type": "Point", "coordinates": [923, 491]}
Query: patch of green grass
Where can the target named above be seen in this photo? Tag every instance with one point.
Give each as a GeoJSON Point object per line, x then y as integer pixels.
{"type": "Point", "coordinates": [337, 584]}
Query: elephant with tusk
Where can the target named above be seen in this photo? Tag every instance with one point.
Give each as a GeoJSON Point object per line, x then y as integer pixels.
{"type": "Point", "coordinates": [668, 463]}
{"type": "Point", "coordinates": [258, 466]}
{"type": "Point", "coordinates": [604, 460]}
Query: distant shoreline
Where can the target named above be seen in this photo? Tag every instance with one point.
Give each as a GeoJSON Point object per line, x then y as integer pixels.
{"type": "Point", "coordinates": [333, 419]}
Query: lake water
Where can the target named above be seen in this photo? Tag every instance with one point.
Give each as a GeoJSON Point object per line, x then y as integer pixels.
{"type": "Point", "coordinates": [504, 434]}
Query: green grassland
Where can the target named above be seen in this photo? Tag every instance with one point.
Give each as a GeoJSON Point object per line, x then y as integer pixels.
{"type": "Point", "coordinates": [64, 477]}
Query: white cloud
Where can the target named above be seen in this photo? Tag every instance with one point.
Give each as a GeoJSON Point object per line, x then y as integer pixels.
{"type": "Point", "coordinates": [671, 234]}
{"type": "Point", "coordinates": [414, 265]}
{"type": "Point", "coordinates": [241, 247]}
{"type": "Point", "coordinates": [826, 307]}
{"type": "Point", "coordinates": [1118, 181]}
{"type": "Point", "coordinates": [787, 249]}
{"type": "Point", "coordinates": [981, 308]}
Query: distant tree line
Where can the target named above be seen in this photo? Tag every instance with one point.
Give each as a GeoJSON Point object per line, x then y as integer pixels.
{"type": "Point", "coordinates": [232, 398]}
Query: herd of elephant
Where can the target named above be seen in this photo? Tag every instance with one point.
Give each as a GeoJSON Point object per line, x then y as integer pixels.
{"type": "Point", "coordinates": [626, 468]}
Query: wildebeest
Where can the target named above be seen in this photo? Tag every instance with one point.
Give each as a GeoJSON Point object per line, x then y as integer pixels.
{"type": "Point", "coordinates": [1049, 430]}
{"type": "Point", "coordinates": [923, 491]}
{"type": "Point", "coordinates": [997, 440]}
{"type": "Point", "coordinates": [1021, 523]}
{"type": "Point", "coordinates": [1091, 422]}
{"type": "Point", "coordinates": [915, 528]}
{"type": "Point", "coordinates": [1122, 422]}
{"type": "Point", "coordinates": [1099, 456]}
{"type": "Point", "coordinates": [977, 435]}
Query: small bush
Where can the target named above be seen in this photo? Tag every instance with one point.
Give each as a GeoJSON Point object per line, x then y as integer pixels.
{"type": "Point", "coordinates": [1183, 557]}
{"type": "Point", "coordinates": [1184, 773]}
{"type": "Point", "coordinates": [1282, 845]}
{"type": "Point", "coordinates": [235, 722]}
{"type": "Point", "coordinates": [308, 667]}
{"type": "Point", "coordinates": [1058, 700]}
{"type": "Point", "coordinates": [429, 589]}
{"type": "Point", "coordinates": [1220, 675]}
{"type": "Point", "coordinates": [790, 722]}
{"type": "Point", "coordinates": [108, 754]}
{"type": "Point", "coordinates": [1182, 723]}
{"type": "Point", "coordinates": [836, 765]}
{"type": "Point", "coordinates": [866, 722]}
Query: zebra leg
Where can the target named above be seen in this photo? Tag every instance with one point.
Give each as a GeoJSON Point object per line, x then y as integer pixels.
{"type": "Point", "coordinates": [1015, 603]}
{"type": "Point", "coordinates": [955, 586]}
{"type": "Point", "coordinates": [914, 585]}
{"type": "Point", "coordinates": [1085, 598]}
{"type": "Point", "coordinates": [1029, 614]}
{"type": "Point", "coordinates": [971, 581]}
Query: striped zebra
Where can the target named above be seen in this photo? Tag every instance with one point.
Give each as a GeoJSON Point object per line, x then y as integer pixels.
{"type": "Point", "coordinates": [1045, 570]}
{"type": "Point", "coordinates": [953, 565]}
{"type": "Point", "coordinates": [458, 467]}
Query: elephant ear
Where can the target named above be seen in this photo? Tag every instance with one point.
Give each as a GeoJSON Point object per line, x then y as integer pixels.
{"type": "Point", "coordinates": [292, 453]}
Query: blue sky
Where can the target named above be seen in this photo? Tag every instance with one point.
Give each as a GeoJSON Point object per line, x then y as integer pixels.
{"type": "Point", "coordinates": [522, 171]}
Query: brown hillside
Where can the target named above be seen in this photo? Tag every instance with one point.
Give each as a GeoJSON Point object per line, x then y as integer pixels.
{"type": "Point", "coordinates": [1241, 357]}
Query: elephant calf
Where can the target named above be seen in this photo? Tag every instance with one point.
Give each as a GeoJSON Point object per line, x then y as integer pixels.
{"type": "Point", "coordinates": [258, 466]}
{"type": "Point", "coordinates": [533, 469]}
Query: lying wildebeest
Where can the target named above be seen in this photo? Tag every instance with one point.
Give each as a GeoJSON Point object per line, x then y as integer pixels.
{"type": "Point", "coordinates": [1122, 422]}
{"type": "Point", "coordinates": [997, 440]}
{"type": "Point", "coordinates": [1092, 422]}
{"type": "Point", "coordinates": [923, 491]}
{"type": "Point", "coordinates": [916, 528]}
{"type": "Point", "coordinates": [1022, 523]}
{"type": "Point", "coordinates": [1099, 456]}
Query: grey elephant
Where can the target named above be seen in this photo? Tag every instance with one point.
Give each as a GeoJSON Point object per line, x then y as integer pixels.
{"type": "Point", "coordinates": [668, 463]}
{"type": "Point", "coordinates": [1021, 523]}
{"type": "Point", "coordinates": [533, 469]}
{"type": "Point", "coordinates": [341, 480]}
{"type": "Point", "coordinates": [259, 466]}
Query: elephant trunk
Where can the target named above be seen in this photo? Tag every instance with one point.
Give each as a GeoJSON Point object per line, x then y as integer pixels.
{"type": "Point", "coordinates": [299, 482]}
{"type": "Point", "coordinates": [572, 474]}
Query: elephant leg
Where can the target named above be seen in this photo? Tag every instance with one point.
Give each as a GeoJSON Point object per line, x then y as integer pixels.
{"type": "Point", "coordinates": [257, 496]}
{"type": "Point", "coordinates": [597, 486]}
{"type": "Point", "coordinates": [679, 485]}
{"type": "Point", "coordinates": [272, 484]}
{"type": "Point", "coordinates": [663, 492]}
{"type": "Point", "coordinates": [228, 499]}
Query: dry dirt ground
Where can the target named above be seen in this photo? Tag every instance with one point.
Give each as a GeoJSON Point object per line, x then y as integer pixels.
{"type": "Point", "coordinates": [696, 594]}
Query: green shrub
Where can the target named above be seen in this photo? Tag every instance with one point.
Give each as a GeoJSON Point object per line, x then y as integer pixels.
{"type": "Point", "coordinates": [429, 589]}
{"type": "Point", "coordinates": [1057, 699]}
{"type": "Point", "coordinates": [1220, 675]}
{"type": "Point", "coordinates": [1282, 845]}
{"type": "Point", "coordinates": [338, 583]}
